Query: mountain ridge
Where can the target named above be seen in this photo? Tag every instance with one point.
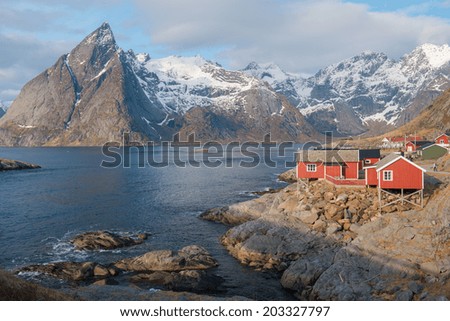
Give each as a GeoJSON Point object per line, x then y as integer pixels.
{"type": "Point", "coordinates": [369, 89]}
{"type": "Point", "coordinates": [98, 92]}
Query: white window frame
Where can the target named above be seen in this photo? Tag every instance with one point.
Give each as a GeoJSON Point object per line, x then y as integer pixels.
{"type": "Point", "coordinates": [367, 161]}
{"type": "Point", "coordinates": [311, 168]}
{"type": "Point", "coordinates": [388, 176]}
{"type": "Point", "coordinates": [442, 141]}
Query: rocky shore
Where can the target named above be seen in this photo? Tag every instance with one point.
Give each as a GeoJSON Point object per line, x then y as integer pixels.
{"type": "Point", "coordinates": [185, 270]}
{"type": "Point", "coordinates": [331, 243]}
{"type": "Point", "coordinates": [6, 165]}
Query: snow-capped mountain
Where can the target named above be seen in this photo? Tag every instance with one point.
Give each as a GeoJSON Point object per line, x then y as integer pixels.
{"type": "Point", "coordinates": [2, 109]}
{"type": "Point", "coordinates": [365, 91]}
{"type": "Point", "coordinates": [98, 92]}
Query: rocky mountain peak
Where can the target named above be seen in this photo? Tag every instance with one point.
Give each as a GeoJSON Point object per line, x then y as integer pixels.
{"type": "Point", "coordinates": [252, 66]}
{"type": "Point", "coordinates": [102, 36]}
{"type": "Point", "coordinates": [435, 55]}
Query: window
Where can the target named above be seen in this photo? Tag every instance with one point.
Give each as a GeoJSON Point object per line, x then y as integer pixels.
{"type": "Point", "coordinates": [367, 162]}
{"type": "Point", "coordinates": [442, 141]}
{"type": "Point", "coordinates": [388, 176]}
{"type": "Point", "coordinates": [311, 168]}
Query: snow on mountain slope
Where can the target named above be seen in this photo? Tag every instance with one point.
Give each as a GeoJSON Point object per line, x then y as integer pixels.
{"type": "Point", "coordinates": [182, 83]}
{"type": "Point", "coordinates": [369, 87]}
{"type": "Point", "coordinates": [2, 109]}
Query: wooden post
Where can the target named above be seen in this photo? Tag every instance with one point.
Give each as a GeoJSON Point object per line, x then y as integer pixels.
{"type": "Point", "coordinates": [421, 198]}
{"type": "Point", "coordinates": [403, 202]}
{"type": "Point", "coordinates": [379, 199]}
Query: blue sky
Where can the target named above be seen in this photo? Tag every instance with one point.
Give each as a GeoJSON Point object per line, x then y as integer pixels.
{"type": "Point", "coordinates": [301, 36]}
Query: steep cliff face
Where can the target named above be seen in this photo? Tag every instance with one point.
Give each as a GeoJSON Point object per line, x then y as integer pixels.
{"type": "Point", "coordinates": [98, 92]}
{"type": "Point", "coordinates": [87, 97]}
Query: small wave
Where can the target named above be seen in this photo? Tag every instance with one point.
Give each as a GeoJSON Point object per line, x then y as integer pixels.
{"type": "Point", "coordinates": [247, 193]}
{"type": "Point", "coordinates": [153, 290]}
{"type": "Point", "coordinates": [29, 274]}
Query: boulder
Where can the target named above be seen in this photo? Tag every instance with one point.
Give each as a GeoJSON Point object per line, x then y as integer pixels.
{"type": "Point", "coordinates": [71, 271]}
{"type": "Point", "coordinates": [333, 227]}
{"type": "Point", "coordinates": [406, 295]}
{"type": "Point", "coordinates": [328, 196]}
{"type": "Point", "coordinates": [332, 211]}
{"type": "Point", "coordinates": [104, 240]}
{"type": "Point", "coordinates": [307, 217]}
{"type": "Point", "coordinates": [188, 258]}
{"type": "Point", "coordinates": [188, 280]}
{"type": "Point", "coordinates": [342, 198]}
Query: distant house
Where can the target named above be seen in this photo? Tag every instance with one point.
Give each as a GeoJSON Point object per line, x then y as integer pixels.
{"type": "Point", "coordinates": [442, 140]}
{"type": "Point", "coordinates": [413, 146]}
{"type": "Point", "coordinates": [398, 142]}
{"type": "Point", "coordinates": [341, 167]}
{"type": "Point", "coordinates": [395, 172]}
{"type": "Point", "coordinates": [432, 151]}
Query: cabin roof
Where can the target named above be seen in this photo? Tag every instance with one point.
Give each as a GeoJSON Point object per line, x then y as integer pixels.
{"type": "Point", "coordinates": [328, 155]}
{"type": "Point", "coordinates": [392, 158]}
{"type": "Point", "coordinates": [420, 142]}
{"type": "Point", "coordinates": [441, 136]}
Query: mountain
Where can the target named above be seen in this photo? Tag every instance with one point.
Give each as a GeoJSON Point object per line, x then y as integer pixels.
{"type": "Point", "coordinates": [2, 109]}
{"type": "Point", "coordinates": [368, 92]}
{"type": "Point", "coordinates": [98, 92]}
{"type": "Point", "coordinates": [432, 121]}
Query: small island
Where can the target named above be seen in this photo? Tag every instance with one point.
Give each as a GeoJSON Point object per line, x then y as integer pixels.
{"type": "Point", "coordinates": [7, 165]}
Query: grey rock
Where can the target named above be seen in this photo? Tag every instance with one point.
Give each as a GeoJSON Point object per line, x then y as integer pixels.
{"type": "Point", "coordinates": [6, 165]}
{"type": "Point", "coordinates": [406, 295]}
{"type": "Point", "coordinates": [104, 240]}
{"type": "Point", "coordinates": [333, 227]}
{"type": "Point", "coordinates": [188, 258]}
{"type": "Point", "coordinates": [342, 198]}
{"type": "Point", "coordinates": [415, 287]}
{"type": "Point", "coordinates": [307, 217]}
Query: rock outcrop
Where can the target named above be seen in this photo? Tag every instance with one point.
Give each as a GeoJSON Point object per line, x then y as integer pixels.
{"type": "Point", "coordinates": [6, 165]}
{"type": "Point", "coordinates": [185, 270]}
{"type": "Point", "coordinates": [332, 244]}
{"type": "Point", "coordinates": [98, 92]}
{"type": "Point", "coordinates": [188, 258]}
{"type": "Point", "coordinates": [104, 240]}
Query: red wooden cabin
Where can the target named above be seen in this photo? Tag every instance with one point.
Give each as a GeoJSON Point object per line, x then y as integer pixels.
{"type": "Point", "coordinates": [396, 172]}
{"type": "Point", "coordinates": [413, 146]}
{"type": "Point", "coordinates": [341, 167]}
{"type": "Point", "coordinates": [442, 140]}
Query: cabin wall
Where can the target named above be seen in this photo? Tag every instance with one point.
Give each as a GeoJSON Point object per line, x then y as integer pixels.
{"type": "Point", "coordinates": [405, 176]}
{"type": "Point", "coordinates": [303, 173]}
{"type": "Point", "coordinates": [333, 170]}
{"type": "Point", "coordinates": [371, 177]}
{"type": "Point", "coordinates": [351, 170]}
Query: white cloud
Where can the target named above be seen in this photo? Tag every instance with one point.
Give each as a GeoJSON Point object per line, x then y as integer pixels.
{"type": "Point", "coordinates": [301, 36]}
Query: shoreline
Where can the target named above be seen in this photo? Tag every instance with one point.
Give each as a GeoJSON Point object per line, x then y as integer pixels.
{"type": "Point", "coordinates": [322, 253]}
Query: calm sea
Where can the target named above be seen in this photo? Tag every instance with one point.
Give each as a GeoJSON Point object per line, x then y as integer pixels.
{"type": "Point", "coordinates": [41, 210]}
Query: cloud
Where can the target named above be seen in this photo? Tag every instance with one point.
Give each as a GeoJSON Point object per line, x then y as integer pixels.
{"type": "Point", "coordinates": [22, 58]}
{"type": "Point", "coordinates": [301, 36]}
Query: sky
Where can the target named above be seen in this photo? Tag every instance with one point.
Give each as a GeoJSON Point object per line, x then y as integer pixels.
{"type": "Point", "coordinates": [301, 36]}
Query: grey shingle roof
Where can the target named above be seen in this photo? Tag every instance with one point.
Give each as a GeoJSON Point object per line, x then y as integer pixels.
{"type": "Point", "coordinates": [328, 156]}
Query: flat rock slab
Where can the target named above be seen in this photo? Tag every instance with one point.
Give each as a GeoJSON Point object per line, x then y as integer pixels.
{"type": "Point", "coordinates": [188, 280]}
{"type": "Point", "coordinates": [7, 165]}
{"type": "Point", "coordinates": [73, 271]}
{"type": "Point", "coordinates": [191, 257]}
{"type": "Point", "coordinates": [103, 240]}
